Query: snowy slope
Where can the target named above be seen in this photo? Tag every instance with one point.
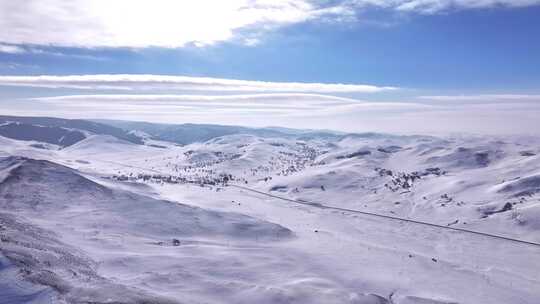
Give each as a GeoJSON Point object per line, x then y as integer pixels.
{"type": "Point", "coordinates": [119, 206]}
{"type": "Point", "coordinates": [58, 131]}
{"type": "Point", "coordinates": [59, 207]}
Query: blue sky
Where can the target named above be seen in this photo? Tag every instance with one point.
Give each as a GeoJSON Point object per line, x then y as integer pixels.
{"type": "Point", "coordinates": [461, 53]}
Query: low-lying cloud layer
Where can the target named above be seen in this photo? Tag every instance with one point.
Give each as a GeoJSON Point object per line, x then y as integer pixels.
{"type": "Point", "coordinates": [186, 105]}
{"type": "Point", "coordinates": [313, 111]}
{"type": "Point", "coordinates": [161, 82]}
{"type": "Point", "coordinates": [173, 24]}
{"type": "Point", "coordinates": [178, 99]}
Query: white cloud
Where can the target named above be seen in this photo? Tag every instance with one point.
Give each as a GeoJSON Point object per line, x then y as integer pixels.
{"type": "Point", "coordinates": [243, 109]}
{"type": "Point", "coordinates": [11, 49]}
{"type": "Point", "coordinates": [276, 97]}
{"type": "Point", "coordinates": [162, 82]}
{"type": "Point", "coordinates": [173, 23]}
{"type": "Point", "coordinates": [482, 98]}
{"type": "Point", "coordinates": [13, 66]}
{"type": "Point", "coordinates": [143, 23]}
{"type": "Point", "coordinates": [289, 104]}
{"type": "Point", "coordinates": [18, 49]}
{"type": "Point", "coordinates": [293, 110]}
{"type": "Point", "coordinates": [209, 103]}
{"type": "Point", "coordinates": [434, 6]}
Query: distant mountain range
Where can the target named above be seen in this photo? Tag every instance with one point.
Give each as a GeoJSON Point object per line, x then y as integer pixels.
{"type": "Point", "coordinates": [66, 132]}
{"type": "Point", "coordinates": [189, 133]}
{"type": "Point", "coordinates": [58, 131]}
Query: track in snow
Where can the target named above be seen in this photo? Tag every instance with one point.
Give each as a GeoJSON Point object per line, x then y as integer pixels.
{"type": "Point", "coordinates": [389, 217]}
{"type": "Point", "coordinates": [322, 206]}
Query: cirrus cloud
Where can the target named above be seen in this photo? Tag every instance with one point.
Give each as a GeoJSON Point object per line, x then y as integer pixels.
{"type": "Point", "coordinates": [290, 109]}
{"type": "Point", "coordinates": [482, 98]}
{"type": "Point", "coordinates": [434, 6]}
{"type": "Point", "coordinates": [162, 82]}
{"type": "Point", "coordinates": [286, 103]}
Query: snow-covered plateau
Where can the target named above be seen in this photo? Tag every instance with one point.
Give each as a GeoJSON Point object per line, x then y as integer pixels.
{"type": "Point", "coordinates": [268, 217]}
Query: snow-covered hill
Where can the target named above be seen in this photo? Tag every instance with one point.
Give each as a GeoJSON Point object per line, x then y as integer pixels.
{"type": "Point", "coordinates": [50, 213]}
{"type": "Point", "coordinates": [57, 131]}
{"type": "Point", "coordinates": [107, 220]}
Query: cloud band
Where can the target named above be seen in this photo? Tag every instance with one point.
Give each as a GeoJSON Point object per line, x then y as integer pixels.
{"type": "Point", "coordinates": [161, 82]}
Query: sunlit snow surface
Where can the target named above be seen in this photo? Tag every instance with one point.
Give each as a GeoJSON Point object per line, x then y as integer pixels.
{"type": "Point", "coordinates": [107, 221]}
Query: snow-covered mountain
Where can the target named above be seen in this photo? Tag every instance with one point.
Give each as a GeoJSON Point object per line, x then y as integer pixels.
{"type": "Point", "coordinates": [57, 131]}
{"type": "Point", "coordinates": [282, 217]}
{"type": "Point", "coordinates": [190, 133]}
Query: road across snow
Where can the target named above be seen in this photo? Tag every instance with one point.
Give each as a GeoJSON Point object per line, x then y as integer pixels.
{"type": "Point", "coordinates": [388, 217]}
{"type": "Point", "coordinates": [384, 257]}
